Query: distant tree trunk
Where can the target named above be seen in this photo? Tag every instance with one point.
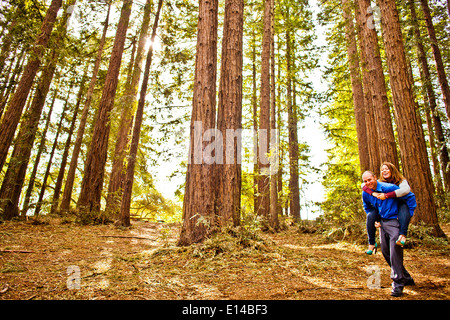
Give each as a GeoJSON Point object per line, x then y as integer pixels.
{"type": "Point", "coordinates": [229, 118]}
{"type": "Point", "coordinates": [17, 167]}
{"type": "Point", "coordinates": [14, 110]}
{"type": "Point", "coordinates": [37, 210]}
{"type": "Point", "coordinates": [281, 148]}
{"type": "Point", "coordinates": [411, 140]}
{"type": "Point", "coordinates": [68, 187]}
{"type": "Point", "coordinates": [126, 119]}
{"type": "Point", "coordinates": [128, 184]}
{"type": "Point", "coordinates": [437, 56]}
{"type": "Point", "coordinates": [264, 119]}
{"type": "Point", "coordinates": [433, 152]}
{"type": "Point", "coordinates": [62, 167]}
{"type": "Point", "coordinates": [431, 98]}
{"type": "Point", "coordinates": [294, 191]}
{"type": "Point", "coordinates": [386, 143]}
{"type": "Point", "coordinates": [37, 159]}
{"type": "Point", "coordinates": [199, 198]}
{"type": "Point", "coordinates": [273, 211]}
{"type": "Point", "coordinates": [255, 126]}
{"type": "Point", "coordinates": [371, 127]}
{"type": "Point", "coordinates": [94, 171]}
{"type": "Point", "coordinates": [357, 88]}
{"type": "Point", "coordinates": [10, 87]}
{"type": "Point", "coordinates": [12, 186]}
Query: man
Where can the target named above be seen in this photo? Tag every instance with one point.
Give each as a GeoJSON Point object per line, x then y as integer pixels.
{"type": "Point", "coordinates": [390, 228]}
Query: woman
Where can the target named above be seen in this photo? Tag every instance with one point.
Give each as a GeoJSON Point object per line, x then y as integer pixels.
{"type": "Point", "coordinates": [390, 174]}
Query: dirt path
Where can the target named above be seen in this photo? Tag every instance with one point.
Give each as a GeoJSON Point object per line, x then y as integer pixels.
{"type": "Point", "coordinates": [144, 263]}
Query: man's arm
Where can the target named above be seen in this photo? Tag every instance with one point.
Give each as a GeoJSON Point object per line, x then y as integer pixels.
{"type": "Point", "coordinates": [368, 206]}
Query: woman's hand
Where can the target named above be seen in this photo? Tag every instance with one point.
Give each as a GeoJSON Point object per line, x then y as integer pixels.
{"type": "Point", "coordinates": [381, 196]}
{"type": "Point", "coordinates": [377, 224]}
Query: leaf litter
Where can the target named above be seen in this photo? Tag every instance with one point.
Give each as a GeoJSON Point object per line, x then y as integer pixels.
{"type": "Point", "coordinates": [143, 262]}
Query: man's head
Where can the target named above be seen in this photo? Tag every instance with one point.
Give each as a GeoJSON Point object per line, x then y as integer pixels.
{"type": "Point", "coordinates": [370, 179]}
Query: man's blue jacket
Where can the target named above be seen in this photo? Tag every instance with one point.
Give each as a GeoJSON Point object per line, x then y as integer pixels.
{"type": "Point", "coordinates": [388, 209]}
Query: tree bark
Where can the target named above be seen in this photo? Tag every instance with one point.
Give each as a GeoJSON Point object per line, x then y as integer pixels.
{"type": "Point", "coordinates": [94, 170]}
{"type": "Point", "coordinates": [385, 132]}
{"type": "Point", "coordinates": [443, 82]}
{"type": "Point", "coordinates": [294, 192]}
{"type": "Point", "coordinates": [411, 140]}
{"type": "Point", "coordinates": [15, 175]}
{"type": "Point", "coordinates": [273, 211]}
{"type": "Point", "coordinates": [37, 159]}
{"type": "Point", "coordinates": [264, 119]}
{"type": "Point", "coordinates": [37, 210]}
{"type": "Point", "coordinates": [128, 185]}
{"type": "Point", "coordinates": [229, 119]}
{"type": "Point", "coordinates": [126, 119]}
{"type": "Point", "coordinates": [14, 110]}
{"type": "Point", "coordinates": [68, 187]}
{"type": "Point", "coordinates": [62, 167]}
{"type": "Point", "coordinates": [371, 128]}
{"type": "Point", "coordinates": [199, 198]}
{"type": "Point", "coordinates": [357, 88]}
{"type": "Point", "coordinates": [431, 98]}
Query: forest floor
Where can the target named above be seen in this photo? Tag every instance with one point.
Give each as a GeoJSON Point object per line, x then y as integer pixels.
{"type": "Point", "coordinates": [143, 262]}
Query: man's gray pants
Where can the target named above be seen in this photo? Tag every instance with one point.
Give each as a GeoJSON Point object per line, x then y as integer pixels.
{"type": "Point", "coordinates": [393, 253]}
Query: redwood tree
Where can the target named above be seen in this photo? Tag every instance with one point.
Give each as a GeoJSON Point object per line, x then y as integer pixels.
{"type": "Point", "coordinates": [199, 196]}
{"type": "Point", "coordinates": [411, 140]}
{"type": "Point", "coordinates": [264, 119]}
{"type": "Point", "coordinates": [383, 122]}
{"type": "Point", "coordinates": [442, 77]}
{"type": "Point", "coordinates": [357, 88]}
{"type": "Point", "coordinates": [94, 170]}
{"type": "Point", "coordinates": [15, 107]}
{"type": "Point", "coordinates": [229, 119]}
{"type": "Point", "coordinates": [68, 187]}
{"type": "Point", "coordinates": [128, 183]}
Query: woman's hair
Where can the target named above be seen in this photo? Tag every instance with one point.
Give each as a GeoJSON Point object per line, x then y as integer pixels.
{"type": "Point", "coordinates": [396, 176]}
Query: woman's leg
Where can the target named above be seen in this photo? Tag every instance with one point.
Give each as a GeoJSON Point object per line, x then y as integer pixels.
{"type": "Point", "coordinates": [403, 218]}
{"type": "Point", "coordinates": [370, 224]}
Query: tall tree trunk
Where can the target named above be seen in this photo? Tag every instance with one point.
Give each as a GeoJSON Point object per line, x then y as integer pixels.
{"type": "Point", "coordinates": [199, 198]}
{"type": "Point", "coordinates": [126, 119]}
{"type": "Point", "coordinates": [294, 192]}
{"type": "Point", "coordinates": [273, 211]}
{"type": "Point", "coordinates": [229, 117]}
{"type": "Point", "coordinates": [94, 170]}
{"type": "Point", "coordinates": [68, 187]}
{"type": "Point", "coordinates": [255, 126]}
{"type": "Point", "coordinates": [264, 119]}
{"type": "Point", "coordinates": [12, 186]}
{"type": "Point", "coordinates": [371, 127]}
{"type": "Point", "coordinates": [411, 140]}
{"type": "Point", "coordinates": [37, 159]}
{"type": "Point", "coordinates": [433, 153]}
{"type": "Point", "coordinates": [12, 82]}
{"type": "Point", "coordinates": [357, 88]}
{"type": "Point", "coordinates": [14, 110]}
{"type": "Point", "coordinates": [37, 210]}
{"type": "Point", "coordinates": [437, 56]}
{"type": "Point", "coordinates": [62, 167]}
{"type": "Point", "coordinates": [386, 143]}
{"type": "Point", "coordinates": [128, 185]}
{"type": "Point", "coordinates": [431, 98]}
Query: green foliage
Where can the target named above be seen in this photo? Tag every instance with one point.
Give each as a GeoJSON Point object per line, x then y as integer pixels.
{"type": "Point", "coordinates": [341, 178]}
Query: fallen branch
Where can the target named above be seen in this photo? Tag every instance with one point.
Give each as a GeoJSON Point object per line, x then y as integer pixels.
{"type": "Point", "coordinates": [17, 251]}
{"type": "Point", "coordinates": [132, 237]}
